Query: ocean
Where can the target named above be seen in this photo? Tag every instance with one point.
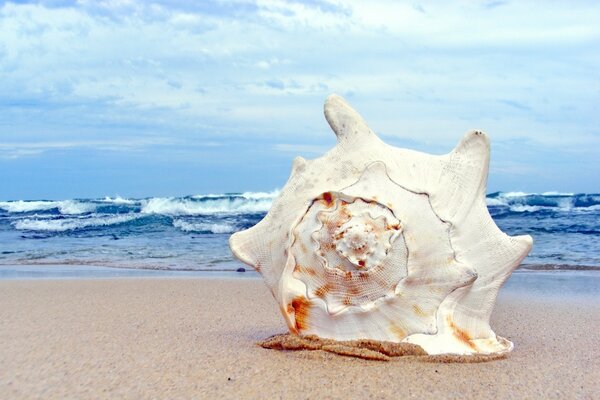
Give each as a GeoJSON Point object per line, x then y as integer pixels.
{"type": "Point", "coordinates": [191, 233]}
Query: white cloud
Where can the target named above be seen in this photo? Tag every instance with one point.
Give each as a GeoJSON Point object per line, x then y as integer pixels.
{"type": "Point", "coordinates": [419, 71]}
{"type": "Point", "coordinates": [12, 150]}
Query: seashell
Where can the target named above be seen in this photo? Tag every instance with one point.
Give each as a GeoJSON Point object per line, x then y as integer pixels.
{"type": "Point", "coordinates": [374, 242]}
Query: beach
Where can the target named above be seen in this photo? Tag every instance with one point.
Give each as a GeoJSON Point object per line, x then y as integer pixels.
{"type": "Point", "coordinates": [169, 337]}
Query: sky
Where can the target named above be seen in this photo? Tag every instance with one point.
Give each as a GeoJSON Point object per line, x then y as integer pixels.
{"type": "Point", "coordinates": [171, 98]}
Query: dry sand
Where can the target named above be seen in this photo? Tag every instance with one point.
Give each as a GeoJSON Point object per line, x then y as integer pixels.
{"type": "Point", "coordinates": [195, 338]}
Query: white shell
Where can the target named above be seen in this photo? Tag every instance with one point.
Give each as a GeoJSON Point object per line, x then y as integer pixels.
{"type": "Point", "coordinates": [376, 242]}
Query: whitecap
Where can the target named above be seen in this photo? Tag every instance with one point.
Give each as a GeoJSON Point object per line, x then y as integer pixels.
{"type": "Point", "coordinates": [204, 227]}
{"type": "Point", "coordinates": [118, 200]}
{"type": "Point", "coordinates": [557, 194]}
{"type": "Point", "coordinates": [64, 207]}
{"type": "Point", "coordinates": [495, 202]}
{"type": "Point", "coordinates": [67, 224]}
{"type": "Point", "coordinates": [186, 206]}
{"type": "Point", "coordinates": [261, 195]}
{"type": "Point", "coordinates": [525, 208]}
{"type": "Point", "coordinates": [514, 194]}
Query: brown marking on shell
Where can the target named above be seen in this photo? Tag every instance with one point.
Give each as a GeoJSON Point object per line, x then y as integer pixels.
{"type": "Point", "coordinates": [328, 199]}
{"type": "Point", "coordinates": [418, 311]}
{"type": "Point", "coordinates": [328, 246]}
{"type": "Point", "coordinates": [346, 300]}
{"type": "Point", "coordinates": [301, 307]}
{"type": "Point", "coordinates": [353, 290]}
{"type": "Point", "coordinates": [460, 334]}
{"type": "Point", "coordinates": [397, 331]}
{"type": "Point", "coordinates": [323, 290]}
{"type": "Point", "coordinates": [299, 269]}
{"type": "Point", "coordinates": [303, 247]}
{"type": "Point", "coordinates": [257, 267]}
{"type": "Point", "coordinates": [395, 227]}
{"type": "Point", "coordinates": [363, 274]}
{"type": "Point", "coordinates": [344, 213]}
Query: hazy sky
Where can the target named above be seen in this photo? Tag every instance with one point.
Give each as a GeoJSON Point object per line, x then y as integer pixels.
{"type": "Point", "coordinates": [185, 97]}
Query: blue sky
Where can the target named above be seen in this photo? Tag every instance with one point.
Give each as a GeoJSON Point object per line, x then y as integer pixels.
{"type": "Point", "coordinates": [142, 98]}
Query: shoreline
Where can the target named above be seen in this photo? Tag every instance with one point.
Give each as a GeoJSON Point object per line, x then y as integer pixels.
{"type": "Point", "coordinates": [197, 338]}
{"type": "Point", "coordinates": [42, 269]}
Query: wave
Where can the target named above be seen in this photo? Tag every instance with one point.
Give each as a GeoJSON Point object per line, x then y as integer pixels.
{"type": "Point", "coordinates": [69, 224]}
{"type": "Point", "coordinates": [260, 202]}
{"type": "Point", "coordinates": [194, 206]}
{"type": "Point", "coordinates": [246, 195]}
{"type": "Point", "coordinates": [118, 200]}
{"type": "Point", "coordinates": [204, 227]}
{"type": "Point", "coordinates": [261, 195]}
{"type": "Point", "coordinates": [68, 207]}
{"type": "Point", "coordinates": [550, 201]}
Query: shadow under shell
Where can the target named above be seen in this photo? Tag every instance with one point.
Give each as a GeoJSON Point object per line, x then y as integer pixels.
{"type": "Point", "coordinates": [368, 349]}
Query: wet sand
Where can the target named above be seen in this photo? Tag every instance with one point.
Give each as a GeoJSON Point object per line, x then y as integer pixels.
{"type": "Point", "coordinates": [196, 338]}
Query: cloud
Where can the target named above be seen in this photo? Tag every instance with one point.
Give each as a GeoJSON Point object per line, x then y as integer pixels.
{"type": "Point", "coordinates": [23, 149]}
{"type": "Point", "coordinates": [222, 71]}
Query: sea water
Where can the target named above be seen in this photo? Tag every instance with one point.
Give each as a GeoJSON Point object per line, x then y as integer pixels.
{"type": "Point", "coordinates": [191, 233]}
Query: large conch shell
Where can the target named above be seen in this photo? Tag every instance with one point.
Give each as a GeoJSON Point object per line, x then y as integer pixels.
{"type": "Point", "coordinates": [371, 241]}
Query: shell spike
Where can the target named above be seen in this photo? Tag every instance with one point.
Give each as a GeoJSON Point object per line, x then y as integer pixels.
{"type": "Point", "coordinates": [239, 245]}
{"type": "Point", "coordinates": [463, 177]}
{"type": "Point", "coordinates": [524, 245]}
{"type": "Point", "coordinates": [347, 124]}
{"type": "Point", "coordinates": [298, 165]}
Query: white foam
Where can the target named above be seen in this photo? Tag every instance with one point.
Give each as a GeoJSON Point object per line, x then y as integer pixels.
{"type": "Point", "coordinates": [247, 195]}
{"type": "Point", "coordinates": [75, 207]}
{"type": "Point", "coordinates": [557, 194]}
{"type": "Point", "coordinates": [261, 195]}
{"type": "Point", "coordinates": [514, 194]}
{"type": "Point", "coordinates": [64, 207]}
{"type": "Point", "coordinates": [203, 227]}
{"type": "Point", "coordinates": [26, 206]}
{"type": "Point", "coordinates": [495, 202]}
{"type": "Point", "coordinates": [67, 224]}
{"type": "Point", "coordinates": [175, 206]}
{"type": "Point", "coordinates": [525, 208]}
{"type": "Point", "coordinates": [118, 200]}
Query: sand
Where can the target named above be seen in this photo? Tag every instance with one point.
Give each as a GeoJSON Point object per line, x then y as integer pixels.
{"type": "Point", "coordinates": [196, 338]}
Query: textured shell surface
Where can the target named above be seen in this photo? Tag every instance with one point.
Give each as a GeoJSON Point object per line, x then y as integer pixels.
{"type": "Point", "coordinates": [371, 241]}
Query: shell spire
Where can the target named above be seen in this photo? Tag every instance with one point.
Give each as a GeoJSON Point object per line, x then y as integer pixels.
{"type": "Point", "coordinates": [346, 123]}
{"type": "Point", "coordinates": [370, 241]}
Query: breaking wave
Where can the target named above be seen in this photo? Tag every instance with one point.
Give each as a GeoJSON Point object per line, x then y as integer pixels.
{"type": "Point", "coordinates": [68, 224]}
{"type": "Point", "coordinates": [520, 202]}
{"type": "Point", "coordinates": [68, 207]}
{"type": "Point", "coordinates": [210, 204]}
{"type": "Point", "coordinates": [203, 227]}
